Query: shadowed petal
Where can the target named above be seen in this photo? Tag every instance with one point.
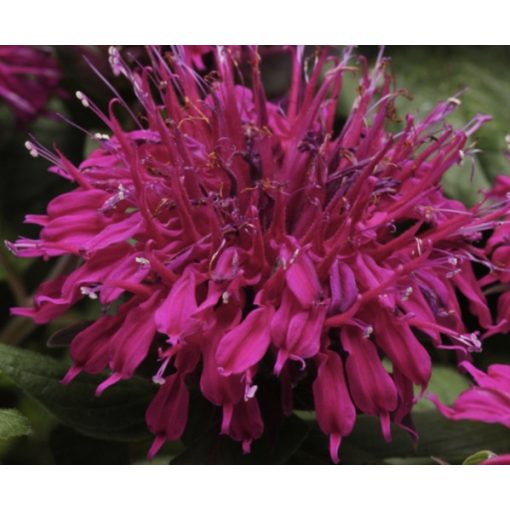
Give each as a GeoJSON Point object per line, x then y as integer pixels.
{"type": "Point", "coordinates": [245, 345]}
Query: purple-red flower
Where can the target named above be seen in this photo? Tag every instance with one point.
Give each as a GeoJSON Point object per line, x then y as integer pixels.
{"type": "Point", "coordinates": [233, 233]}
{"type": "Point", "coordinates": [498, 251]}
{"type": "Point", "coordinates": [29, 76]}
{"type": "Point", "coordinates": [497, 460]}
{"type": "Point", "coordinates": [488, 401]}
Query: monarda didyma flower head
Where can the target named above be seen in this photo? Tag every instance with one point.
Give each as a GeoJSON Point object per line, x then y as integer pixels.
{"type": "Point", "coordinates": [29, 75]}
{"type": "Point", "coordinates": [243, 239]}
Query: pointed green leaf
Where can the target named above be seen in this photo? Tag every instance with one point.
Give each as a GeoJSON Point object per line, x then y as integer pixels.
{"type": "Point", "coordinates": [478, 458]}
{"type": "Point", "coordinates": [118, 414]}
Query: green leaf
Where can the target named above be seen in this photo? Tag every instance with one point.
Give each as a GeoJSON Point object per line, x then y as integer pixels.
{"type": "Point", "coordinates": [13, 424]}
{"type": "Point", "coordinates": [478, 457]}
{"type": "Point", "coordinates": [118, 414]}
{"type": "Point", "coordinates": [453, 441]}
{"type": "Point", "coordinates": [446, 383]}
{"type": "Point", "coordinates": [439, 438]}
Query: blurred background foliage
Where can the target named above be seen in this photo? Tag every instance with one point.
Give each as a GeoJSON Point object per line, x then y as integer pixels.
{"type": "Point", "coordinates": [43, 422]}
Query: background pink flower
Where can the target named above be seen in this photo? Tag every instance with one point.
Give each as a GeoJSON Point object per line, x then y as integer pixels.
{"type": "Point", "coordinates": [29, 75]}
{"type": "Point", "coordinates": [487, 401]}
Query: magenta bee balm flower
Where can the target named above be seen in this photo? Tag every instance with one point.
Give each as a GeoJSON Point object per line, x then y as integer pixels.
{"type": "Point", "coordinates": [28, 77]}
{"type": "Point", "coordinates": [488, 401]}
{"type": "Point", "coordinates": [230, 239]}
{"type": "Point", "coordinates": [497, 460]}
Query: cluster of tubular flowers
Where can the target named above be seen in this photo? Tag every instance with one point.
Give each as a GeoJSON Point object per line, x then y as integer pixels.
{"type": "Point", "coordinates": [230, 239]}
{"type": "Point", "coordinates": [29, 75]}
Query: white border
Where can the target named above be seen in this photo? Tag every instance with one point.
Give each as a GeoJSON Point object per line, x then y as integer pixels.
{"type": "Point", "coordinates": [254, 488]}
{"type": "Point", "coordinates": [255, 22]}
{"type": "Point", "coordinates": [260, 22]}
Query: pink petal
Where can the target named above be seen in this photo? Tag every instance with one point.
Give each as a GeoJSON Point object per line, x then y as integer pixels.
{"type": "Point", "coordinates": [372, 389]}
{"type": "Point", "coordinates": [167, 414]}
{"type": "Point", "coordinates": [344, 290]}
{"type": "Point", "coordinates": [469, 286]}
{"type": "Point", "coordinates": [246, 424]}
{"type": "Point", "coordinates": [245, 345]}
{"type": "Point", "coordinates": [131, 342]}
{"type": "Point", "coordinates": [402, 348]}
{"type": "Point", "coordinates": [174, 316]}
{"type": "Point", "coordinates": [302, 280]}
{"type": "Point", "coordinates": [336, 413]}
